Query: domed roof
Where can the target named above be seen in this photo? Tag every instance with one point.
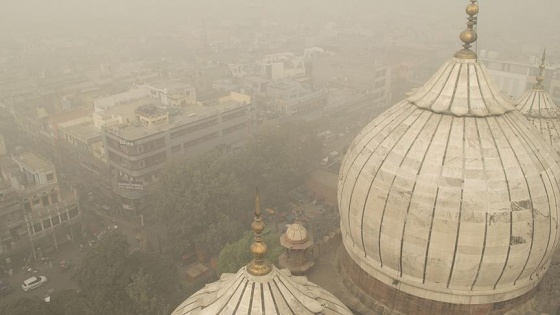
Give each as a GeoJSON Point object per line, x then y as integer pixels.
{"type": "Point", "coordinates": [261, 288]}
{"type": "Point", "coordinates": [451, 195]}
{"type": "Point", "coordinates": [296, 237]}
{"type": "Point", "coordinates": [277, 292]}
{"type": "Point", "coordinates": [537, 106]}
{"type": "Point", "coordinates": [537, 103]}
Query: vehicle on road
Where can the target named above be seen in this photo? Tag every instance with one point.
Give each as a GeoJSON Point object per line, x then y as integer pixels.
{"type": "Point", "coordinates": [33, 282]}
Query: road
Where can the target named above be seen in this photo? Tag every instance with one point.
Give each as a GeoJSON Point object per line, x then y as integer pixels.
{"type": "Point", "coordinates": [58, 278]}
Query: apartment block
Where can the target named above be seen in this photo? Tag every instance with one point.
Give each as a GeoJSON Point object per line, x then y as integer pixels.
{"type": "Point", "coordinates": [48, 215]}
{"type": "Point", "coordinates": [152, 134]}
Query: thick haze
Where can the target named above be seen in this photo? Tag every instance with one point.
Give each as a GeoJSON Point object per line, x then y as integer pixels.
{"type": "Point", "coordinates": [503, 24]}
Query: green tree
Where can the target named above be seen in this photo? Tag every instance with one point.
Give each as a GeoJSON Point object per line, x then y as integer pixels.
{"type": "Point", "coordinates": [277, 160]}
{"type": "Point", "coordinates": [207, 199]}
{"type": "Point", "coordinates": [143, 294]}
{"type": "Point", "coordinates": [103, 274]}
{"type": "Point", "coordinates": [197, 198]}
{"type": "Point", "coordinates": [160, 268]}
{"type": "Point", "coordinates": [117, 282]}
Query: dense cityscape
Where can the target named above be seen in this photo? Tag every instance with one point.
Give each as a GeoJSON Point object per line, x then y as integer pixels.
{"type": "Point", "coordinates": [133, 135]}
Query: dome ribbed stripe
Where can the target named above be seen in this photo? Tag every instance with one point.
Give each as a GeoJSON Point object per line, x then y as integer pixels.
{"type": "Point", "coordinates": [428, 131]}
{"type": "Point", "coordinates": [549, 180]}
{"type": "Point", "coordinates": [485, 172]}
{"type": "Point", "coordinates": [528, 188]}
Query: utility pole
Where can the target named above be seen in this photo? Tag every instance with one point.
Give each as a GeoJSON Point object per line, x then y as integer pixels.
{"type": "Point", "coordinates": [31, 239]}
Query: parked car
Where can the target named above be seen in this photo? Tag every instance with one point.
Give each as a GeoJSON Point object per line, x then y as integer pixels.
{"type": "Point", "coordinates": [33, 282]}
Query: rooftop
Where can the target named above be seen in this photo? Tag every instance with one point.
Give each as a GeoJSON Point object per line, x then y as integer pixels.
{"type": "Point", "coordinates": [32, 161]}
{"type": "Point", "coordinates": [133, 130]}
{"type": "Point", "coordinates": [84, 132]}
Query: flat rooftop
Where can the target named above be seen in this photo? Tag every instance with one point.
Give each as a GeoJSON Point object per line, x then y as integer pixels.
{"type": "Point", "coordinates": [132, 129]}
{"type": "Point", "coordinates": [32, 161]}
{"type": "Point", "coordinates": [84, 132]}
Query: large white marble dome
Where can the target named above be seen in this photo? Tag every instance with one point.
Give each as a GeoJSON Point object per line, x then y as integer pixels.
{"type": "Point", "coordinates": [451, 194]}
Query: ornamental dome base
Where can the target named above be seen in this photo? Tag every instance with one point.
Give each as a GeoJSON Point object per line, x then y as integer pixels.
{"type": "Point", "coordinates": [297, 269]}
{"type": "Point", "coordinates": [376, 295]}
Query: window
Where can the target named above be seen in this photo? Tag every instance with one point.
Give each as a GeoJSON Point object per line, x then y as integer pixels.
{"type": "Point", "coordinates": [50, 177]}
{"type": "Point", "coordinates": [64, 217]}
{"type": "Point", "coordinates": [47, 223]}
{"type": "Point", "coordinates": [73, 213]}
{"type": "Point", "coordinates": [54, 197]}
{"type": "Point", "coordinates": [36, 201]}
{"type": "Point", "coordinates": [55, 220]}
{"type": "Point", "coordinates": [234, 114]}
{"type": "Point", "coordinates": [37, 227]}
{"type": "Point", "coordinates": [27, 206]}
{"type": "Point", "coordinates": [234, 128]}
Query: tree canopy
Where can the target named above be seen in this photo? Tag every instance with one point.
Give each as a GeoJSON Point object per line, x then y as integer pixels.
{"type": "Point", "coordinates": [117, 282]}
{"type": "Point", "coordinates": [207, 200]}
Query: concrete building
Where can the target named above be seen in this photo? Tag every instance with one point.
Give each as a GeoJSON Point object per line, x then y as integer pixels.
{"type": "Point", "coordinates": [152, 134]}
{"type": "Point", "coordinates": [12, 227]}
{"type": "Point", "coordinates": [50, 215]}
{"type": "Point", "coordinates": [281, 66]}
{"type": "Point", "coordinates": [516, 77]}
{"type": "Point", "coordinates": [291, 97]}
{"type": "Point", "coordinates": [172, 93]}
{"type": "Point", "coordinates": [83, 151]}
{"type": "Point", "coordinates": [358, 73]}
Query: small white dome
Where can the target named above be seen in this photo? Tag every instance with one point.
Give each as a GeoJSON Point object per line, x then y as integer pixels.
{"type": "Point", "coordinates": [537, 106]}
{"type": "Point", "coordinates": [296, 233]}
{"type": "Point", "coordinates": [296, 237]}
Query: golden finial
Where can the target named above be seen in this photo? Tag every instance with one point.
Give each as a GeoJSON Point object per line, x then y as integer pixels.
{"type": "Point", "coordinates": [258, 266]}
{"type": "Point", "coordinates": [540, 77]}
{"type": "Point", "coordinates": [469, 36]}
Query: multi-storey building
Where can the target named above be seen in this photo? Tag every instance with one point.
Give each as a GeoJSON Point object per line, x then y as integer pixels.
{"type": "Point", "coordinates": [355, 73]}
{"type": "Point", "coordinates": [292, 97]}
{"type": "Point", "coordinates": [12, 228]}
{"type": "Point", "coordinates": [50, 215]}
{"type": "Point", "coordinates": [153, 134]}
{"type": "Point", "coordinates": [515, 77]}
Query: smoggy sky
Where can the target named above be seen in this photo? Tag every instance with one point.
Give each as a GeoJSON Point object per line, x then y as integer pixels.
{"type": "Point", "coordinates": [534, 22]}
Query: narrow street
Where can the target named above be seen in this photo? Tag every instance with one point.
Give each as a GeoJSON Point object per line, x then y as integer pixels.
{"type": "Point", "coordinates": [60, 278]}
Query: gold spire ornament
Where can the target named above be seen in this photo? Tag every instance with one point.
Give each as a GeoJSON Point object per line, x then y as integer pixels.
{"type": "Point", "coordinates": [258, 266]}
{"type": "Point", "coordinates": [469, 36]}
{"type": "Point", "coordinates": [540, 77]}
